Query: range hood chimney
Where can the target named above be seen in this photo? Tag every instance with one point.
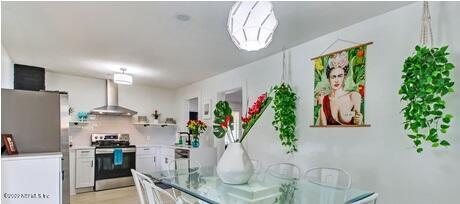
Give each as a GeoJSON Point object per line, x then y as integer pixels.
{"type": "Point", "coordinates": [112, 107]}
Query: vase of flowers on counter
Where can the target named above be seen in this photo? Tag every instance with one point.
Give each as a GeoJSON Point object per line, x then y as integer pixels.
{"type": "Point", "coordinates": [235, 166]}
{"type": "Point", "coordinates": [196, 127]}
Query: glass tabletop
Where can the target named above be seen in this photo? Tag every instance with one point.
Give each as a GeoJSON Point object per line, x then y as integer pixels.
{"type": "Point", "coordinates": [204, 184]}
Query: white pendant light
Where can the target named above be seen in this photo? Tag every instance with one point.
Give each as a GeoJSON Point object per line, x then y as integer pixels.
{"type": "Point", "coordinates": [251, 24]}
{"type": "Point", "coordinates": [122, 78]}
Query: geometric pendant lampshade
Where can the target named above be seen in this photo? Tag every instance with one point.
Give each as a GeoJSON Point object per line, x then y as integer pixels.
{"type": "Point", "coordinates": [251, 24]}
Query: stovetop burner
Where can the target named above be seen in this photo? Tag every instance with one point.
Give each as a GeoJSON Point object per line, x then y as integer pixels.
{"type": "Point", "coordinates": [114, 146]}
{"type": "Point", "coordinates": [110, 140]}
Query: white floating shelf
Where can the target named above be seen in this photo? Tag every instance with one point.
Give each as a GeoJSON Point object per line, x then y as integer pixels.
{"type": "Point", "coordinates": [156, 124]}
{"type": "Point", "coordinates": [78, 122]}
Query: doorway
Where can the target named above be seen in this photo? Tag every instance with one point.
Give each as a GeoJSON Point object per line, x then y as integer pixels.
{"type": "Point", "coordinates": [235, 100]}
{"type": "Point", "coordinates": [193, 109]}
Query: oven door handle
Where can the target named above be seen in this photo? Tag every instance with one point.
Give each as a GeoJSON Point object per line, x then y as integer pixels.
{"type": "Point", "coordinates": [110, 150]}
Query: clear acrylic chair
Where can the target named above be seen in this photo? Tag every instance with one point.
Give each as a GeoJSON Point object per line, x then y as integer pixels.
{"type": "Point", "coordinates": [282, 172]}
{"type": "Point", "coordinates": [179, 169]}
{"type": "Point", "coordinates": [329, 177]}
{"type": "Point", "coordinates": [183, 167]}
{"type": "Point", "coordinates": [372, 199]}
{"type": "Point", "coordinates": [285, 176]}
{"type": "Point", "coordinates": [157, 195]}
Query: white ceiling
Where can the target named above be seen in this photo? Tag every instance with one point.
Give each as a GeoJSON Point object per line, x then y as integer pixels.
{"type": "Point", "coordinates": [97, 38]}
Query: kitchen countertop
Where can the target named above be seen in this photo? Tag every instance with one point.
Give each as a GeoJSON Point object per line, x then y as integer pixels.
{"type": "Point", "coordinates": [26, 156]}
{"type": "Point", "coordinates": [82, 147]}
{"type": "Point", "coordinates": [170, 146]}
{"type": "Point", "coordinates": [147, 145]}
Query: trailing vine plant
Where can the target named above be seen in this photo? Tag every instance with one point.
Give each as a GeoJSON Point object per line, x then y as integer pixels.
{"type": "Point", "coordinates": [426, 81]}
{"type": "Point", "coordinates": [284, 105]}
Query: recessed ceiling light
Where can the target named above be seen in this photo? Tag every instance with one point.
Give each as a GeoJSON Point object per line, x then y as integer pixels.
{"type": "Point", "coordinates": [183, 17]}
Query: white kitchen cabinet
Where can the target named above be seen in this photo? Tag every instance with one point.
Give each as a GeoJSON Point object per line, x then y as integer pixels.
{"type": "Point", "coordinates": [165, 156]}
{"type": "Point", "coordinates": [84, 168]}
{"type": "Point", "coordinates": [146, 159]}
{"type": "Point", "coordinates": [38, 175]}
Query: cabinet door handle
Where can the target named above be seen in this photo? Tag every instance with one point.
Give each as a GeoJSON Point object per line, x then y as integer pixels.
{"type": "Point", "coordinates": [146, 148]}
{"type": "Point", "coordinates": [87, 151]}
{"type": "Point", "coordinates": [92, 163]}
{"type": "Point", "coordinates": [154, 159]}
{"type": "Point", "coordinates": [166, 160]}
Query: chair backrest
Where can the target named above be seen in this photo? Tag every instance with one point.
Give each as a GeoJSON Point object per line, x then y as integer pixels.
{"type": "Point", "coordinates": [156, 195]}
{"type": "Point", "coordinates": [372, 199]}
{"type": "Point", "coordinates": [183, 167]}
{"type": "Point", "coordinates": [330, 177]}
{"type": "Point", "coordinates": [138, 178]}
{"type": "Point", "coordinates": [282, 172]}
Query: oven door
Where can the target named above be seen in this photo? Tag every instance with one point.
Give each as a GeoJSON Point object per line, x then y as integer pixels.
{"type": "Point", "coordinates": [105, 168]}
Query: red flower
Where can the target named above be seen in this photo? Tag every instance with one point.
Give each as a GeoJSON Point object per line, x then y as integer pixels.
{"type": "Point", "coordinates": [246, 119]}
{"type": "Point", "coordinates": [225, 124]}
{"type": "Point", "coordinates": [360, 53]}
{"type": "Point", "coordinates": [361, 90]}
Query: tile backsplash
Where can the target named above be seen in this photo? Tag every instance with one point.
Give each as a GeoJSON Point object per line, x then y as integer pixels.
{"type": "Point", "coordinates": [139, 135]}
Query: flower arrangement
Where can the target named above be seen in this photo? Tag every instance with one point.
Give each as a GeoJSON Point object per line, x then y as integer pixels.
{"type": "Point", "coordinates": [224, 120]}
{"type": "Point", "coordinates": [254, 112]}
{"type": "Point", "coordinates": [196, 127]}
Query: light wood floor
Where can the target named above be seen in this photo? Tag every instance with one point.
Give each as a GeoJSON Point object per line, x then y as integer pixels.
{"type": "Point", "coordinates": [115, 196]}
{"type": "Point", "coordinates": [126, 195]}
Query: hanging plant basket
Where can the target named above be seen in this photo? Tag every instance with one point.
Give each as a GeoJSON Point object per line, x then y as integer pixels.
{"type": "Point", "coordinates": [426, 82]}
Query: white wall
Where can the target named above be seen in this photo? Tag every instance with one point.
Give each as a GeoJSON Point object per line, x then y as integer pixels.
{"type": "Point", "coordinates": [88, 93]}
{"type": "Point", "coordinates": [7, 70]}
{"type": "Point", "coordinates": [379, 158]}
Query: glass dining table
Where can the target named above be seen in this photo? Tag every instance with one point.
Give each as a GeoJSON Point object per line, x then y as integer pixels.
{"type": "Point", "coordinates": [205, 185]}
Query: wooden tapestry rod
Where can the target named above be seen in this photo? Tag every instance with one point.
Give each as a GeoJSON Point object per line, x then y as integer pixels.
{"type": "Point", "coordinates": [356, 46]}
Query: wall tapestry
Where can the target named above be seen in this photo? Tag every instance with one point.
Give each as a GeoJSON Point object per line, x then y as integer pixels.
{"type": "Point", "coordinates": [339, 88]}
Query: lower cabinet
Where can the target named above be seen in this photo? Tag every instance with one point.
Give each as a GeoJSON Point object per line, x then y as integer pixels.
{"type": "Point", "coordinates": [164, 163]}
{"type": "Point", "coordinates": [146, 159]}
{"type": "Point", "coordinates": [84, 175]}
{"type": "Point", "coordinates": [36, 175]}
{"type": "Point", "coordinates": [145, 163]}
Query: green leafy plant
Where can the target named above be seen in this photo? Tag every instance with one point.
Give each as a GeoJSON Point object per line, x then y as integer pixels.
{"type": "Point", "coordinates": [223, 120]}
{"type": "Point", "coordinates": [426, 80]}
{"type": "Point", "coordinates": [284, 105]}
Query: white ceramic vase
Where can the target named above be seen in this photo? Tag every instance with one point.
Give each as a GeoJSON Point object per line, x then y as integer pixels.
{"type": "Point", "coordinates": [234, 166]}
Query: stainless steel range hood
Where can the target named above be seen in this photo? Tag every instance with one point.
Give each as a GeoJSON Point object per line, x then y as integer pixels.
{"type": "Point", "coordinates": [112, 107]}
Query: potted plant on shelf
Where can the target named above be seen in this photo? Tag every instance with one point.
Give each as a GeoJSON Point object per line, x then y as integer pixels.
{"type": "Point", "coordinates": [196, 127]}
{"type": "Point", "coordinates": [234, 166]}
{"type": "Point", "coordinates": [156, 117]}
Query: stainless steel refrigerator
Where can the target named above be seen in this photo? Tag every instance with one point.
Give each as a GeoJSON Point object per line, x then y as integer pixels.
{"type": "Point", "coordinates": [39, 122]}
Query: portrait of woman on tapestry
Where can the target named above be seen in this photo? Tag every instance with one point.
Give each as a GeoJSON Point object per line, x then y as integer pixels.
{"type": "Point", "coordinates": [339, 88]}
